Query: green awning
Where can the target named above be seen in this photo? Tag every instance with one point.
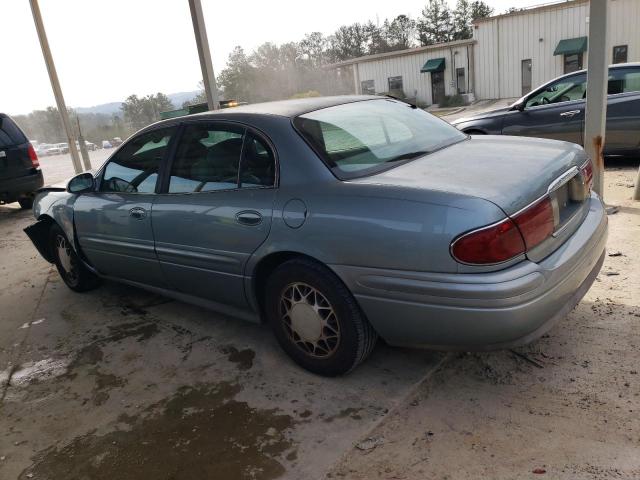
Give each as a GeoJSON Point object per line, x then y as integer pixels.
{"type": "Point", "coordinates": [571, 46]}
{"type": "Point", "coordinates": [433, 65]}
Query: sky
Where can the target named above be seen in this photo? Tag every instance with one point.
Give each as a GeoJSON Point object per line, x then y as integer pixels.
{"type": "Point", "coordinates": [106, 50]}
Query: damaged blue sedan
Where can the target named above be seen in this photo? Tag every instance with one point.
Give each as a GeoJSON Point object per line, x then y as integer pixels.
{"type": "Point", "coordinates": [338, 220]}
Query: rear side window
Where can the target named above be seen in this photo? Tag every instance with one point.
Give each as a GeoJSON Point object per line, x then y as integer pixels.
{"type": "Point", "coordinates": [362, 138]}
{"type": "Point", "coordinates": [134, 168]}
{"type": "Point", "coordinates": [624, 80]}
{"type": "Point", "coordinates": [10, 134]}
{"type": "Point", "coordinates": [207, 159]}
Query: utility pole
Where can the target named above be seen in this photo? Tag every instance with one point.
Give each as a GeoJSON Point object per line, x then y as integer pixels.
{"type": "Point", "coordinates": [55, 85]}
{"type": "Point", "coordinates": [83, 147]}
{"type": "Point", "coordinates": [596, 105]}
{"type": "Point", "coordinates": [200, 31]}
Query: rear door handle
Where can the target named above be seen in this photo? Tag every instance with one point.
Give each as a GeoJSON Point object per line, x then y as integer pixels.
{"type": "Point", "coordinates": [249, 217]}
{"type": "Point", "coordinates": [570, 113]}
{"type": "Point", "coordinates": [138, 213]}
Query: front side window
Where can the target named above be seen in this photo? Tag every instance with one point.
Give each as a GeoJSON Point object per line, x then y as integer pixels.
{"type": "Point", "coordinates": [564, 90]}
{"type": "Point", "coordinates": [572, 62]}
{"type": "Point", "coordinates": [368, 87]}
{"type": "Point", "coordinates": [134, 168]}
{"type": "Point", "coordinates": [362, 138]}
{"type": "Point", "coordinates": [620, 54]}
{"type": "Point", "coordinates": [207, 159]}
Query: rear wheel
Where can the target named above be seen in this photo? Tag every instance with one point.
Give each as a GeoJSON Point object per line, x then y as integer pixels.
{"type": "Point", "coordinates": [71, 269]}
{"type": "Point", "coordinates": [316, 319]}
{"type": "Point", "coordinates": [26, 203]}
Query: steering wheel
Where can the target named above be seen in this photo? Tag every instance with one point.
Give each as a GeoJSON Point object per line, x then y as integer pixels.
{"type": "Point", "coordinates": [545, 100]}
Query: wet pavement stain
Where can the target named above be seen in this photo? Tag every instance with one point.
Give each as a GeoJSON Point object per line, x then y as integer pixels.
{"type": "Point", "coordinates": [242, 358]}
{"type": "Point", "coordinates": [201, 432]}
{"type": "Point", "coordinates": [353, 413]}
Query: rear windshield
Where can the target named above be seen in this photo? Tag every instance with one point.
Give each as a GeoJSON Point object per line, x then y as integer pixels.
{"type": "Point", "coordinates": [10, 134]}
{"type": "Point", "coordinates": [362, 138]}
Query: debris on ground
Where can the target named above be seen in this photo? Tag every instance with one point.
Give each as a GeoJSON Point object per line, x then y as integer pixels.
{"type": "Point", "coordinates": [370, 444]}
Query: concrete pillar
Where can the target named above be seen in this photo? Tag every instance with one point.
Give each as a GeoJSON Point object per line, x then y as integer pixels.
{"type": "Point", "coordinates": [596, 105]}
{"type": "Point", "coordinates": [204, 54]}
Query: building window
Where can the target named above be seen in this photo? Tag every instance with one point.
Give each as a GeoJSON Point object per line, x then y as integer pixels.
{"type": "Point", "coordinates": [572, 62]}
{"type": "Point", "coordinates": [460, 81]}
{"type": "Point", "coordinates": [368, 87]}
{"type": "Point", "coordinates": [395, 84]}
{"type": "Point", "coordinates": [620, 54]}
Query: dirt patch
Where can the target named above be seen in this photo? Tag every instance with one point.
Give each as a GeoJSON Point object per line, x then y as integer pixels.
{"type": "Point", "coordinates": [200, 432]}
{"type": "Point", "coordinates": [242, 358]}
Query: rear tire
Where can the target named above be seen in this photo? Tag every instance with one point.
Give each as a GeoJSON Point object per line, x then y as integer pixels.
{"type": "Point", "coordinates": [315, 318]}
{"type": "Point", "coordinates": [72, 271]}
{"type": "Point", "coordinates": [26, 203]}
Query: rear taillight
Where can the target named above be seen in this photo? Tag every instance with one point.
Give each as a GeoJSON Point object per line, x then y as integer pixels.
{"type": "Point", "coordinates": [33, 156]}
{"type": "Point", "coordinates": [587, 174]}
{"type": "Point", "coordinates": [493, 244]}
{"type": "Point", "coordinates": [536, 222]}
{"type": "Point", "coordinates": [505, 240]}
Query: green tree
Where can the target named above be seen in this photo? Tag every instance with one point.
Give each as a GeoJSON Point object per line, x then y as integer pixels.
{"type": "Point", "coordinates": [480, 9]}
{"type": "Point", "coordinates": [401, 32]}
{"type": "Point", "coordinates": [349, 41]}
{"type": "Point", "coordinates": [462, 28]}
{"type": "Point", "coordinates": [139, 112]}
{"type": "Point", "coordinates": [435, 24]}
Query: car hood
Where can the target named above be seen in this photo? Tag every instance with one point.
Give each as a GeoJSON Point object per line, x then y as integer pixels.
{"type": "Point", "coordinates": [481, 116]}
{"type": "Point", "coordinates": [511, 172]}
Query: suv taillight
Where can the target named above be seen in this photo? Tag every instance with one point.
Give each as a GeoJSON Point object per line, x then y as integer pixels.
{"type": "Point", "coordinates": [507, 239]}
{"type": "Point", "coordinates": [33, 156]}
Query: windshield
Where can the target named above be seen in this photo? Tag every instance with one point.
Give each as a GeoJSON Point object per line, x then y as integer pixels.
{"type": "Point", "coordinates": [362, 138]}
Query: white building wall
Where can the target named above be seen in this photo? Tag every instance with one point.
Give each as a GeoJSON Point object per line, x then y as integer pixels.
{"type": "Point", "coordinates": [415, 83]}
{"type": "Point", "coordinates": [503, 42]}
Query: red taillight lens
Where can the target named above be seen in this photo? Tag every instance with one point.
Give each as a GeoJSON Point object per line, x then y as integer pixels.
{"type": "Point", "coordinates": [33, 156]}
{"type": "Point", "coordinates": [507, 239]}
{"type": "Point", "coordinates": [493, 244]}
{"type": "Point", "coordinates": [587, 174]}
{"type": "Point", "coordinates": [536, 223]}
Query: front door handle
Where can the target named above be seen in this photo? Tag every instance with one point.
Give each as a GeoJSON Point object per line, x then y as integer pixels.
{"type": "Point", "coordinates": [249, 217]}
{"type": "Point", "coordinates": [570, 113]}
{"type": "Point", "coordinates": [138, 213]}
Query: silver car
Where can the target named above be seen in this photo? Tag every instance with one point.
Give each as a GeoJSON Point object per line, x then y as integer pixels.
{"type": "Point", "coordinates": [338, 220]}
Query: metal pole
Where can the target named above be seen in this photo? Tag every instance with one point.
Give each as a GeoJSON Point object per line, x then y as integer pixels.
{"type": "Point", "coordinates": [83, 147]}
{"type": "Point", "coordinates": [596, 105]}
{"type": "Point", "coordinates": [200, 31]}
{"type": "Point", "coordinates": [55, 84]}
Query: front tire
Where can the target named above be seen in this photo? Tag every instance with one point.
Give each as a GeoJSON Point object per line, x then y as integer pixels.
{"type": "Point", "coordinates": [72, 271]}
{"type": "Point", "coordinates": [315, 318]}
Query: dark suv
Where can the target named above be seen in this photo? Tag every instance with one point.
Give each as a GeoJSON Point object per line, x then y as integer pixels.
{"type": "Point", "coordinates": [20, 174]}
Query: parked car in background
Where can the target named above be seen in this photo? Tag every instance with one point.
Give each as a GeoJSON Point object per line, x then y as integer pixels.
{"type": "Point", "coordinates": [90, 146]}
{"type": "Point", "coordinates": [116, 141]}
{"type": "Point", "coordinates": [556, 110]}
{"type": "Point", "coordinates": [42, 149]}
{"type": "Point", "coordinates": [53, 149]}
{"type": "Point", "coordinates": [336, 220]}
{"type": "Point", "coordinates": [20, 174]}
{"type": "Point", "coordinates": [106, 144]}
{"type": "Point", "coordinates": [64, 147]}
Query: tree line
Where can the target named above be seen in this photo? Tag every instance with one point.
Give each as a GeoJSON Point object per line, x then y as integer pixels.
{"type": "Point", "coordinates": [272, 72]}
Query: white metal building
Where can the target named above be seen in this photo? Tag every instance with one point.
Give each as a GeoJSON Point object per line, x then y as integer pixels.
{"type": "Point", "coordinates": [508, 56]}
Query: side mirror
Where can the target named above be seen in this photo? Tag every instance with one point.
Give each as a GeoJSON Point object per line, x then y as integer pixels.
{"type": "Point", "coordinates": [81, 183]}
{"type": "Point", "coordinates": [519, 106]}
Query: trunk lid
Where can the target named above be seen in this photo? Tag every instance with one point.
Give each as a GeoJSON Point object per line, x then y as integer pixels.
{"type": "Point", "coordinates": [508, 171]}
{"type": "Point", "coordinates": [511, 172]}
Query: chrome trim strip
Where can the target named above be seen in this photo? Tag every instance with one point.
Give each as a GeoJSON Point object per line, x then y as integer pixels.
{"type": "Point", "coordinates": [562, 179]}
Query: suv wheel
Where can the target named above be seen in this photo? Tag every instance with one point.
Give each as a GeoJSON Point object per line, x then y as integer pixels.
{"type": "Point", "coordinates": [316, 319]}
{"type": "Point", "coordinates": [71, 269]}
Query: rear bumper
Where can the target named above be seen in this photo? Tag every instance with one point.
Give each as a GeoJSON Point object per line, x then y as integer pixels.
{"type": "Point", "coordinates": [483, 311]}
{"type": "Point", "coordinates": [11, 189]}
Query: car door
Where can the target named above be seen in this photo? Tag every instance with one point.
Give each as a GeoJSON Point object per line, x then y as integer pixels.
{"type": "Point", "coordinates": [623, 112]}
{"type": "Point", "coordinates": [113, 224]}
{"type": "Point", "coordinates": [215, 209]}
{"type": "Point", "coordinates": [554, 111]}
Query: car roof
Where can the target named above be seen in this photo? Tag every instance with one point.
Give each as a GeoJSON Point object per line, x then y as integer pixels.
{"type": "Point", "coordinates": [289, 108]}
